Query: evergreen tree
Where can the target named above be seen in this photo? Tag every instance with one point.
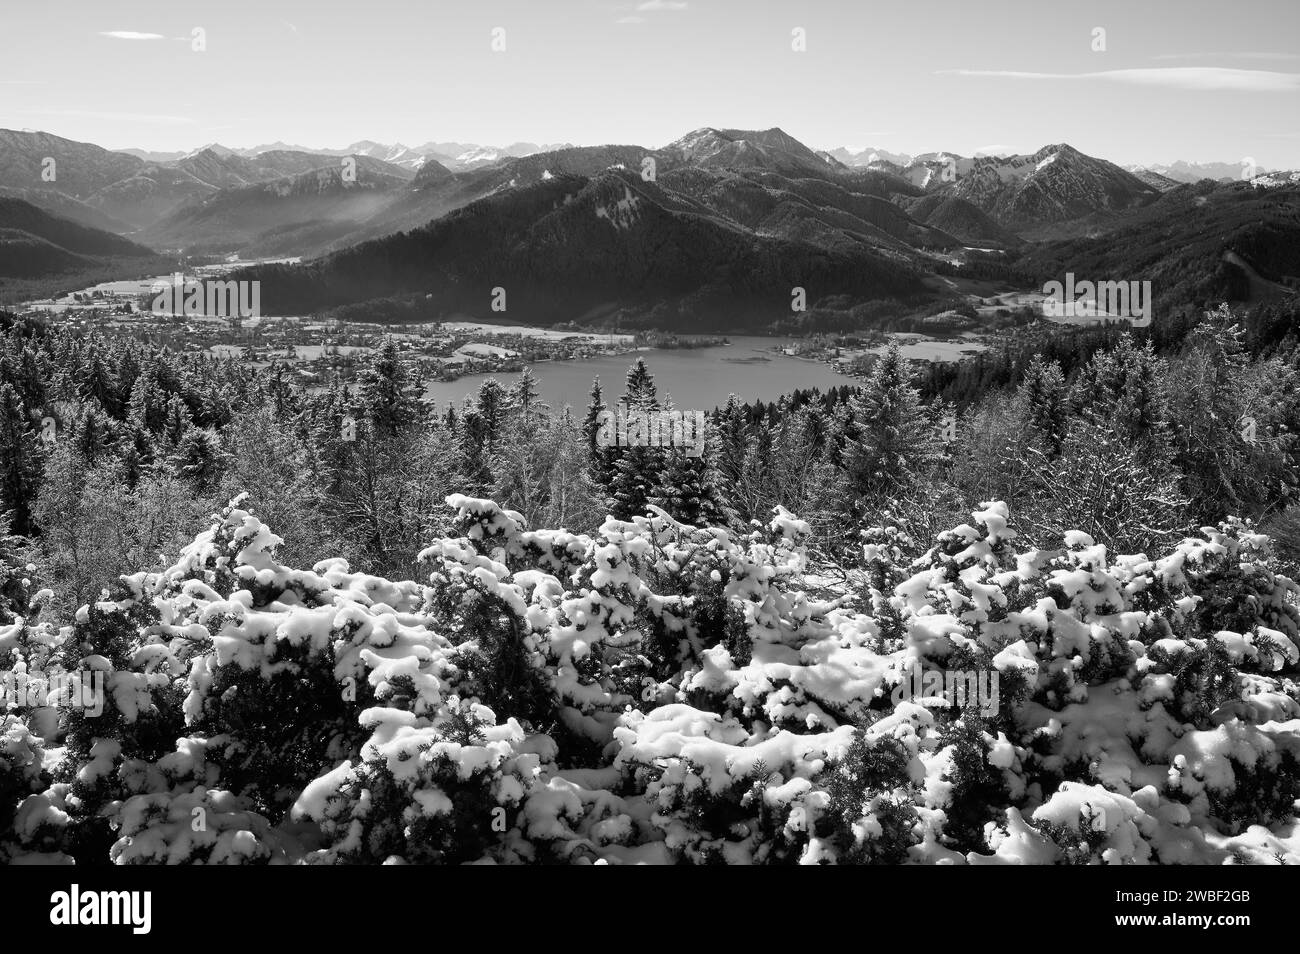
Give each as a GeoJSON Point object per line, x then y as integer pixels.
{"type": "Point", "coordinates": [733, 441]}
{"type": "Point", "coordinates": [1121, 387]}
{"type": "Point", "coordinates": [97, 383]}
{"type": "Point", "coordinates": [523, 396]}
{"type": "Point", "coordinates": [14, 591]}
{"type": "Point", "coordinates": [199, 459]}
{"type": "Point", "coordinates": [1217, 463]}
{"type": "Point", "coordinates": [636, 469]}
{"type": "Point", "coordinates": [632, 485]}
{"type": "Point", "coordinates": [757, 492]}
{"type": "Point", "coordinates": [491, 405]}
{"type": "Point", "coordinates": [688, 488]}
{"type": "Point", "coordinates": [1042, 403]}
{"type": "Point", "coordinates": [92, 431]}
{"type": "Point", "coordinates": [640, 391]}
{"type": "Point", "coordinates": [387, 391]}
{"type": "Point", "coordinates": [178, 422]}
{"type": "Point", "coordinates": [600, 459]}
{"type": "Point", "coordinates": [147, 405]}
{"type": "Point", "coordinates": [889, 441]}
{"type": "Point", "coordinates": [20, 461]}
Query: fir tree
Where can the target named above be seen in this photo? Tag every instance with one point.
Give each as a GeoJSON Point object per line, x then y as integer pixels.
{"type": "Point", "coordinates": [640, 391]}
{"type": "Point", "coordinates": [178, 422]}
{"type": "Point", "coordinates": [733, 441]}
{"type": "Point", "coordinates": [523, 396]}
{"type": "Point", "coordinates": [757, 490]}
{"type": "Point", "coordinates": [199, 459]}
{"type": "Point", "coordinates": [1043, 407]}
{"type": "Point", "coordinates": [600, 459]}
{"type": "Point", "coordinates": [387, 391]}
{"type": "Point", "coordinates": [491, 405]}
{"type": "Point", "coordinates": [14, 588]}
{"type": "Point", "coordinates": [20, 461]}
{"type": "Point", "coordinates": [889, 442]}
{"type": "Point", "coordinates": [147, 405]}
{"type": "Point", "coordinates": [636, 469]}
{"type": "Point", "coordinates": [688, 488]}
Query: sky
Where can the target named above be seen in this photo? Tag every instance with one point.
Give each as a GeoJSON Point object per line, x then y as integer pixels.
{"type": "Point", "coordinates": [1193, 80]}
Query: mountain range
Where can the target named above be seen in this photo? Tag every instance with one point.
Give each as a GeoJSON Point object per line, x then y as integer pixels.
{"type": "Point", "coordinates": [32, 241]}
{"type": "Point", "coordinates": [720, 224]}
{"type": "Point", "coordinates": [1181, 171]}
{"type": "Point", "coordinates": [456, 155]}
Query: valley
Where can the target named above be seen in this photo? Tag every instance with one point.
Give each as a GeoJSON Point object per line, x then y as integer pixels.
{"type": "Point", "coordinates": [481, 261]}
{"type": "Point", "coordinates": [454, 357]}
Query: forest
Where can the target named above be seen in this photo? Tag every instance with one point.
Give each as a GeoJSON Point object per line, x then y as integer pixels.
{"type": "Point", "coordinates": [344, 625]}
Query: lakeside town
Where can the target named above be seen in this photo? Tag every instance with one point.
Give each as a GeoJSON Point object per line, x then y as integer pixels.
{"type": "Point", "coordinates": [317, 350]}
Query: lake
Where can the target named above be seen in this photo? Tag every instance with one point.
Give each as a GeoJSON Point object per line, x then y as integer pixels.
{"type": "Point", "coordinates": [695, 378]}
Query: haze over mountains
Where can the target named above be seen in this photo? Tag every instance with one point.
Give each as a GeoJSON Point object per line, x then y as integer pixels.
{"type": "Point", "coordinates": [713, 222]}
{"type": "Point", "coordinates": [457, 155]}
{"type": "Point", "coordinates": [1181, 171]}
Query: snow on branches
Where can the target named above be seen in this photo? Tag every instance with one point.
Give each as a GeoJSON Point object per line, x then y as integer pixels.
{"type": "Point", "coordinates": [661, 693]}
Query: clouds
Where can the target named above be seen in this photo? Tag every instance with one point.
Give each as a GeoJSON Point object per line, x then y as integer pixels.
{"type": "Point", "coordinates": [651, 6]}
{"type": "Point", "coordinates": [131, 35]}
{"type": "Point", "coordinates": [1196, 78]}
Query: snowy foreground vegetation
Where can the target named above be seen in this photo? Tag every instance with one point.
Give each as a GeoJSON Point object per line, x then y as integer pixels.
{"type": "Point", "coordinates": [662, 693]}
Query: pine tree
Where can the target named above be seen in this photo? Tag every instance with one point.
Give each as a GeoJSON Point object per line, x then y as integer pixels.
{"type": "Point", "coordinates": [600, 459]}
{"type": "Point", "coordinates": [98, 383]}
{"type": "Point", "coordinates": [756, 493]}
{"type": "Point", "coordinates": [640, 390]}
{"type": "Point", "coordinates": [199, 459]}
{"type": "Point", "coordinates": [278, 389]}
{"type": "Point", "coordinates": [1121, 387]}
{"type": "Point", "coordinates": [733, 442]}
{"type": "Point", "coordinates": [491, 405]}
{"type": "Point", "coordinates": [387, 391]}
{"type": "Point", "coordinates": [178, 421]}
{"type": "Point", "coordinates": [636, 469]}
{"type": "Point", "coordinates": [523, 396]}
{"type": "Point", "coordinates": [20, 461]}
{"type": "Point", "coordinates": [31, 379]}
{"type": "Point", "coordinates": [93, 432]}
{"type": "Point", "coordinates": [591, 423]}
{"type": "Point", "coordinates": [147, 405]}
{"type": "Point", "coordinates": [635, 475]}
{"type": "Point", "coordinates": [1043, 407]}
{"type": "Point", "coordinates": [889, 441]}
{"type": "Point", "coordinates": [14, 591]}
{"type": "Point", "coordinates": [1220, 475]}
{"type": "Point", "coordinates": [688, 488]}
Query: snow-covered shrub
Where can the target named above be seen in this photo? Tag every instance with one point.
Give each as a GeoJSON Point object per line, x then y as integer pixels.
{"type": "Point", "coordinates": [658, 692]}
{"type": "Point", "coordinates": [21, 775]}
